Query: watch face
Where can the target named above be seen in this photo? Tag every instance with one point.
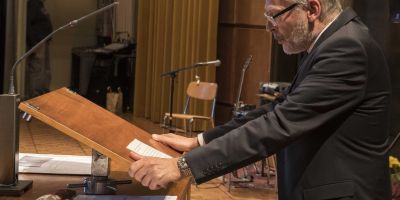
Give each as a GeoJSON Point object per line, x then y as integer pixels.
{"type": "Point", "coordinates": [183, 167]}
{"type": "Point", "coordinates": [184, 163]}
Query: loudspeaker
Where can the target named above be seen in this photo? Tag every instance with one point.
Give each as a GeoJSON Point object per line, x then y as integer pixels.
{"type": "Point", "coordinates": [3, 10]}
{"type": "Point", "coordinates": [99, 77]}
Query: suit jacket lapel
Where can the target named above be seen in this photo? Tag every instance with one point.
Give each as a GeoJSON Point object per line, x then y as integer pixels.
{"type": "Point", "coordinates": [345, 17]}
{"type": "Point", "coordinates": [299, 69]}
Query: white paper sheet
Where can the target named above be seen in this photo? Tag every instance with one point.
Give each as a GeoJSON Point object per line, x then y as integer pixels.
{"type": "Point", "coordinates": [54, 164]}
{"type": "Point", "coordinates": [145, 150]}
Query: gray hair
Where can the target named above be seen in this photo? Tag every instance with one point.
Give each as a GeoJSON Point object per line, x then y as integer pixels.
{"type": "Point", "coordinates": [329, 10]}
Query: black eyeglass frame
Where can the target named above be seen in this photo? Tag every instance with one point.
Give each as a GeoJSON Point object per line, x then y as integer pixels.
{"type": "Point", "coordinates": [272, 18]}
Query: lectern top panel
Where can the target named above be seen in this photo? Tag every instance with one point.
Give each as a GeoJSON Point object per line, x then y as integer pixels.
{"type": "Point", "coordinates": [90, 124]}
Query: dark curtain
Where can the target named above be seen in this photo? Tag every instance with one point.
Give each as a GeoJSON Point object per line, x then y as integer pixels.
{"type": "Point", "coordinates": [2, 42]}
{"type": "Point", "coordinates": [392, 45]}
{"type": "Point", "coordinates": [376, 15]}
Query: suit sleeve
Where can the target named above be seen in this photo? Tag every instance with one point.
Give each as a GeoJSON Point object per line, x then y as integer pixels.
{"type": "Point", "coordinates": [334, 85]}
{"type": "Point", "coordinates": [236, 122]}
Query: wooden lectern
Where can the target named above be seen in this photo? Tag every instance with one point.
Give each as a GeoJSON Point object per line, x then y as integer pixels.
{"type": "Point", "coordinates": [96, 127]}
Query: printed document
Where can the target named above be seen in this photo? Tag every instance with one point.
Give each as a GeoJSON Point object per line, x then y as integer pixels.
{"type": "Point", "coordinates": [145, 150]}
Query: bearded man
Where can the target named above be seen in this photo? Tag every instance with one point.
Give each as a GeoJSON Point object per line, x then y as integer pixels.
{"type": "Point", "coordinates": [329, 131]}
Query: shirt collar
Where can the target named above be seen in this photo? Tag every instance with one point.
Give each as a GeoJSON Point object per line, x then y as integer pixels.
{"type": "Point", "coordinates": [319, 35]}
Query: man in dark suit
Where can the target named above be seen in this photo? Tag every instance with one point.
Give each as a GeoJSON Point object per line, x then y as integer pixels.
{"type": "Point", "coordinates": [329, 130]}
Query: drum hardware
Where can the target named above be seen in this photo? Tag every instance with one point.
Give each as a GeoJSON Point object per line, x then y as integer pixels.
{"type": "Point", "coordinates": [240, 109]}
{"type": "Point", "coordinates": [273, 88]}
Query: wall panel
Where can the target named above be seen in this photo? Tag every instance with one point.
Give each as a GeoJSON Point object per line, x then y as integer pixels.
{"type": "Point", "coordinates": [241, 33]}
{"type": "Point", "coordinates": [250, 12]}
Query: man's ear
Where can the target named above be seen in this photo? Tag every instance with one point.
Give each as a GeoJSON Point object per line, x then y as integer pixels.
{"type": "Point", "coordinates": [314, 10]}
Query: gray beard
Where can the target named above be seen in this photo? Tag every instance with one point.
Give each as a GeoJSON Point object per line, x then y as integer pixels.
{"type": "Point", "coordinates": [300, 39]}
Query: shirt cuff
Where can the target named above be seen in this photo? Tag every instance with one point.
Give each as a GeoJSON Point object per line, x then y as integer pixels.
{"type": "Point", "coordinates": [200, 139]}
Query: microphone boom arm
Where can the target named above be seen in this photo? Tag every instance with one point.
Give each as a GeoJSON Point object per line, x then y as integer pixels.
{"type": "Point", "coordinates": [200, 64]}
{"type": "Point", "coordinates": [12, 87]}
{"type": "Point", "coordinates": [180, 69]}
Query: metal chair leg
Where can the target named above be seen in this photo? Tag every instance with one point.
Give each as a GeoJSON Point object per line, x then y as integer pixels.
{"type": "Point", "coordinates": [190, 127]}
{"type": "Point", "coordinates": [276, 174]}
{"type": "Point", "coordinates": [212, 123]}
{"type": "Point", "coordinates": [165, 121]}
{"type": "Point", "coordinates": [184, 127]}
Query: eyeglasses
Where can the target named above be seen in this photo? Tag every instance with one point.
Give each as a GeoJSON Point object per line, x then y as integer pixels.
{"type": "Point", "coordinates": [271, 19]}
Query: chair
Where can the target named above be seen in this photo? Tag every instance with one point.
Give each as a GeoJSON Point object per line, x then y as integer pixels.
{"type": "Point", "coordinates": [201, 91]}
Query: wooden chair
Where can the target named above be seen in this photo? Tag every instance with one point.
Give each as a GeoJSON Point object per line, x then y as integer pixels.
{"type": "Point", "coordinates": [196, 90]}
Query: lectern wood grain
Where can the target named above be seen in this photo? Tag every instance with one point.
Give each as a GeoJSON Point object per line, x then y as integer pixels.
{"type": "Point", "coordinates": [94, 126]}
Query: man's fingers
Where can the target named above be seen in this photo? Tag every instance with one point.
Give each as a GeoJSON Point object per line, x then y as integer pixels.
{"type": "Point", "coordinates": [155, 137]}
{"type": "Point", "coordinates": [164, 138]}
{"type": "Point", "coordinates": [134, 168]}
{"type": "Point", "coordinates": [154, 186]}
{"type": "Point", "coordinates": [146, 181]}
{"type": "Point", "coordinates": [140, 175]}
{"type": "Point", "coordinates": [134, 156]}
{"type": "Point", "coordinates": [160, 138]}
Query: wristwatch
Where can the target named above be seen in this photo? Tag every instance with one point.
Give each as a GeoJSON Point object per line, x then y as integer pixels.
{"type": "Point", "coordinates": [184, 167]}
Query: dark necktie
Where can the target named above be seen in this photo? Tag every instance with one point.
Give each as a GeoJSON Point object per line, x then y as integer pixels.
{"type": "Point", "coordinates": [299, 69]}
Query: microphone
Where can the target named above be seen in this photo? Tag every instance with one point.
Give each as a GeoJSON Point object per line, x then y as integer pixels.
{"type": "Point", "coordinates": [11, 90]}
{"type": "Point", "coordinates": [214, 62]}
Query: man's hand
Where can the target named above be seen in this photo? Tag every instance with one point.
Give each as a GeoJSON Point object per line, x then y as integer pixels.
{"type": "Point", "coordinates": [177, 142]}
{"type": "Point", "coordinates": [152, 172]}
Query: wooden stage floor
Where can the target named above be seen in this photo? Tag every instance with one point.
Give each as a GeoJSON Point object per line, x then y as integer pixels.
{"type": "Point", "coordinates": [37, 137]}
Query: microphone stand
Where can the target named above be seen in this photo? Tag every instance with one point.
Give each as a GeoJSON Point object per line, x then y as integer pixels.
{"type": "Point", "coordinates": [172, 75]}
{"type": "Point", "coordinates": [9, 123]}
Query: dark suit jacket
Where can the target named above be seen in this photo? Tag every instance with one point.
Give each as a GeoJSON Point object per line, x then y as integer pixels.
{"type": "Point", "coordinates": [329, 132]}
